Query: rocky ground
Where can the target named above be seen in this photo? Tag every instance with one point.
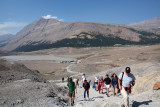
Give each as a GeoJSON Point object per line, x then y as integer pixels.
{"type": "Point", "coordinates": [14, 71]}
{"type": "Point", "coordinates": [22, 87]}
{"type": "Point", "coordinates": [147, 74]}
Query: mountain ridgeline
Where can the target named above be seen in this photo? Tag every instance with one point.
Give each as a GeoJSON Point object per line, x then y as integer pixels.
{"type": "Point", "coordinates": [90, 40]}
{"type": "Point", "coordinates": [50, 33]}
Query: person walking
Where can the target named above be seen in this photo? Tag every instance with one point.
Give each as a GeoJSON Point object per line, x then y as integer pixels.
{"type": "Point", "coordinates": [82, 81]}
{"type": "Point", "coordinates": [114, 82]}
{"type": "Point", "coordinates": [124, 80]}
{"type": "Point", "coordinates": [96, 82]}
{"type": "Point", "coordinates": [107, 82]}
{"type": "Point", "coordinates": [71, 87]}
{"type": "Point", "coordinates": [62, 79]}
{"type": "Point", "coordinates": [86, 87]}
{"type": "Point", "coordinates": [83, 77]}
{"type": "Point", "coordinates": [77, 84]}
{"type": "Point", "coordinates": [100, 84]}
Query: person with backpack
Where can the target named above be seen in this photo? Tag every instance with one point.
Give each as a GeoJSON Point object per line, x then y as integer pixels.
{"type": "Point", "coordinates": [86, 87]}
{"type": "Point", "coordinates": [71, 87]}
{"type": "Point", "coordinates": [124, 80]}
{"type": "Point", "coordinates": [114, 82]}
{"type": "Point", "coordinates": [100, 84]}
{"type": "Point", "coordinates": [107, 82]}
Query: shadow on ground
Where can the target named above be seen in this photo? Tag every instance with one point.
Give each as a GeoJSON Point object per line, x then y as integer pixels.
{"type": "Point", "coordinates": [137, 104]}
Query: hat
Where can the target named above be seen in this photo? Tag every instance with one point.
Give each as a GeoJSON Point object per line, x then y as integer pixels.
{"type": "Point", "coordinates": [70, 79]}
{"type": "Point", "coordinates": [128, 70]}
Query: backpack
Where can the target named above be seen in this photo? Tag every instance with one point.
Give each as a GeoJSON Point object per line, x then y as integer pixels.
{"type": "Point", "coordinates": [121, 78]}
{"type": "Point", "coordinates": [93, 86]}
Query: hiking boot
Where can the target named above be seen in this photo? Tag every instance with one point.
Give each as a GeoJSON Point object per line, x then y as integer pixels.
{"type": "Point", "coordinates": [108, 95]}
{"type": "Point", "coordinates": [73, 101]}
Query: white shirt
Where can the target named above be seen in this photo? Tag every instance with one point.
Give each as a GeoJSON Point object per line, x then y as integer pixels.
{"type": "Point", "coordinates": [126, 79]}
{"type": "Point", "coordinates": [96, 79]}
{"type": "Point", "coordinates": [83, 78]}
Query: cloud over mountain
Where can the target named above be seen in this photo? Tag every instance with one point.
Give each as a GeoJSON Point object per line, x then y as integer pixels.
{"type": "Point", "coordinates": [52, 17]}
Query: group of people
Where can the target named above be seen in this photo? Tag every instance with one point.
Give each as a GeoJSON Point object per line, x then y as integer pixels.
{"type": "Point", "coordinates": [100, 83]}
{"type": "Point", "coordinates": [123, 82]}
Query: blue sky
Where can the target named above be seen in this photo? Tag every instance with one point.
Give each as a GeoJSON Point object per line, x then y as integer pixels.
{"type": "Point", "coordinates": [15, 14]}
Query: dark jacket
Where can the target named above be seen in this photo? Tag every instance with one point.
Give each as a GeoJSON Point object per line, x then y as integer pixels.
{"type": "Point", "coordinates": [86, 86]}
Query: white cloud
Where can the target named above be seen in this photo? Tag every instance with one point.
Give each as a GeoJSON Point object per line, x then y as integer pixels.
{"type": "Point", "coordinates": [61, 20]}
{"type": "Point", "coordinates": [11, 27]}
{"type": "Point", "coordinates": [12, 24]}
{"type": "Point", "coordinates": [52, 17]}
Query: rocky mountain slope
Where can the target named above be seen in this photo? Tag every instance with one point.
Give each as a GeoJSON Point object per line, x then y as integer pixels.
{"type": "Point", "coordinates": [152, 24]}
{"type": "Point", "coordinates": [50, 33]}
{"type": "Point", "coordinates": [14, 71]}
{"type": "Point", "coordinates": [4, 39]}
{"type": "Point", "coordinates": [20, 86]}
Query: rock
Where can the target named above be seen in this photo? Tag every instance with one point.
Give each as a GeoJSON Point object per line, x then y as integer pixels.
{"type": "Point", "coordinates": [2, 102]}
{"type": "Point", "coordinates": [156, 86]}
{"type": "Point", "coordinates": [51, 94]}
{"type": "Point", "coordinates": [37, 87]}
{"type": "Point", "coordinates": [19, 101]}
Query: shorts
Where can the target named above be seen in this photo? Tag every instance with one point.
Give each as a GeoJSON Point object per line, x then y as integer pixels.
{"type": "Point", "coordinates": [99, 87]}
{"type": "Point", "coordinates": [72, 94]}
{"type": "Point", "coordinates": [114, 85]}
{"type": "Point", "coordinates": [96, 83]}
{"type": "Point", "coordinates": [107, 86]}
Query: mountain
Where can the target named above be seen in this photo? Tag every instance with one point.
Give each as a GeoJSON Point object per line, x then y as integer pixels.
{"type": "Point", "coordinates": [51, 33]}
{"type": "Point", "coordinates": [5, 37]}
{"type": "Point", "coordinates": [152, 24]}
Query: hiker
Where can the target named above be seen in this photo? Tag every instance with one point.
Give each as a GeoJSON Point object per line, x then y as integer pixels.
{"type": "Point", "coordinates": [67, 79]}
{"type": "Point", "coordinates": [62, 79]}
{"type": "Point", "coordinates": [71, 87]}
{"type": "Point", "coordinates": [76, 80]}
{"type": "Point", "coordinates": [83, 77]}
{"type": "Point", "coordinates": [77, 84]}
{"type": "Point", "coordinates": [124, 80]}
{"type": "Point", "coordinates": [107, 82]}
{"type": "Point", "coordinates": [86, 87]}
{"type": "Point", "coordinates": [96, 82]}
{"type": "Point", "coordinates": [114, 82]}
{"type": "Point", "coordinates": [100, 84]}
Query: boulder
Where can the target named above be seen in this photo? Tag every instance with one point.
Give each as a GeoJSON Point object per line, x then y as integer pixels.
{"type": "Point", "coordinates": [156, 86]}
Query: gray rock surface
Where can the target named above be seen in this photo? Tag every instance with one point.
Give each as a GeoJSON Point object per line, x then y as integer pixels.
{"type": "Point", "coordinates": [14, 71]}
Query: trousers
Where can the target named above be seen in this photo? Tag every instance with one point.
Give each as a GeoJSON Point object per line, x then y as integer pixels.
{"type": "Point", "coordinates": [86, 91]}
{"type": "Point", "coordinates": [125, 100]}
